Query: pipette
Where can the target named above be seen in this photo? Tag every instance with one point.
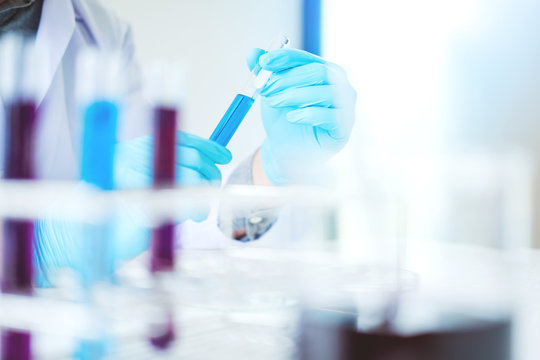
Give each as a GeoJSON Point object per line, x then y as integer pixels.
{"type": "Point", "coordinates": [244, 100]}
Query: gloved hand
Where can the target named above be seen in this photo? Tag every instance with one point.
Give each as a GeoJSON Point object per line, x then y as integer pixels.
{"type": "Point", "coordinates": [63, 244]}
{"type": "Point", "coordinates": [307, 111]}
{"type": "Point", "coordinates": [196, 160]}
{"type": "Point", "coordinates": [58, 243]}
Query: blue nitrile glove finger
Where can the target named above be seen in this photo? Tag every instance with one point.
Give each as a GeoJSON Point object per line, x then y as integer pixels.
{"type": "Point", "coordinates": [303, 75]}
{"type": "Point", "coordinates": [282, 59]}
{"type": "Point", "coordinates": [253, 57]}
{"type": "Point", "coordinates": [198, 162]}
{"type": "Point", "coordinates": [133, 164]}
{"type": "Point", "coordinates": [215, 152]}
{"type": "Point", "coordinates": [307, 109]}
{"type": "Point", "coordinates": [301, 97]}
{"type": "Point", "coordinates": [195, 165]}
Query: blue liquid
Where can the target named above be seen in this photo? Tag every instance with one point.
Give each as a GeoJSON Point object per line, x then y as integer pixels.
{"type": "Point", "coordinates": [95, 255]}
{"type": "Point", "coordinates": [99, 139]}
{"type": "Point", "coordinates": [97, 168]}
{"type": "Point", "coordinates": [232, 119]}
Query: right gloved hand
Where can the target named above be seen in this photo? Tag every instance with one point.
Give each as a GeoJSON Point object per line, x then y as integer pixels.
{"type": "Point", "coordinates": [307, 109]}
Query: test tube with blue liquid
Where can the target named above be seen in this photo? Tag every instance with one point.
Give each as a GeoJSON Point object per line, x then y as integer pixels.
{"type": "Point", "coordinates": [244, 100]}
{"type": "Point", "coordinates": [19, 74]}
{"type": "Point", "coordinates": [99, 89]}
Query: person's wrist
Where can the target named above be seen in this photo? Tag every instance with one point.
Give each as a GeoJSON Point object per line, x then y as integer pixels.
{"type": "Point", "coordinates": [272, 166]}
{"type": "Point", "coordinates": [258, 174]}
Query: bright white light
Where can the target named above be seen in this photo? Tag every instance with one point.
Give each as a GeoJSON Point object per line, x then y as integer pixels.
{"type": "Point", "coordinates": [395, 52]}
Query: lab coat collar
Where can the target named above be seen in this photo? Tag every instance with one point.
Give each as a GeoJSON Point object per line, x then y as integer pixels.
{"type": "Point", "coordinates": [54, 34]}
{"type": "Point", "coordinates": [99, 23]}
{"type": "Point", "coordinates": [84, 14]}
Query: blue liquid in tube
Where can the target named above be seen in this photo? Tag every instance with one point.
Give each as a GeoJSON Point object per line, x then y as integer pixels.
{"type": "Point", "coordinates": [96, 261]}
{"type": "Point", "coordinates": [99, 139]}
{"type": "Point", "coordinates": [242, 103]}
{"type": "Point", "coordinates": [232, 119]}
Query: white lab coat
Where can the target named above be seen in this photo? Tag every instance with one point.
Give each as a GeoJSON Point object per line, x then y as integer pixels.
{"type": "Point", "coordinates": [66, 28]}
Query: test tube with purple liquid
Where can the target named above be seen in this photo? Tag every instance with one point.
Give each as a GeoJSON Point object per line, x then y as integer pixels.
{"type": "Point", "coordinates": [165, 127]}
{"type": "Point", "coordinates": [166, 88]}
{"type": "Point", "coordinates": [18, 90]}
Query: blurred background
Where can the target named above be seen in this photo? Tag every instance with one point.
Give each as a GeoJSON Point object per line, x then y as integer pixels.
{"type": "Point", "coordinates": [436, 81]}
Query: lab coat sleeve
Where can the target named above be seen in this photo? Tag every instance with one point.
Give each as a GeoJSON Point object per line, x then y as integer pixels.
{"type": "Point", "coordinates": [134, 121]}
{"type": "Point", "coordinates": [252, 223]}
{"type": "Point", "coordinates": [223, 230]}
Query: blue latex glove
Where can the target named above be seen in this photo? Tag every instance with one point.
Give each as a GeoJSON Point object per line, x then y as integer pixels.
{"type": "Point", "coordinates": [196, 160]}
{"type": "Point", "coordinates": [58, 243]}
{"type": "Point", "coordinates": [67, 245]}
{"type": "Point", "coordinates": [307, 111]}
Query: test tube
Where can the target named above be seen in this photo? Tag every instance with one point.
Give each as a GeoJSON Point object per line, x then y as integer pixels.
{"type": "Point", "coordinates": [166, 83]}
{"type": "Point", "coordinates": [166, 92]}
{"type": "Point", "coordinates": [244, 100]}
{"type": "Point", "coordinates": [99, 89]}
{"type": "Point", "coordinates": [18, 71]}
{"type": "Point", "coordinates": [165, 127]}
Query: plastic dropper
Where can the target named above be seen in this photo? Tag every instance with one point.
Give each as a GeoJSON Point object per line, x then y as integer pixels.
{"type": "Point", "coordinates": [244, 100]}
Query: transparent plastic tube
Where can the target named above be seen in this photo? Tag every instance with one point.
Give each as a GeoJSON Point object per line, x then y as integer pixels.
{"type": "Point", "coordinates": [166, 83]}
{"type": "Point", "coordinates": [165, 127]}
{"type": "Point", "coordinates": [244, 100]}
{"type": "Point", "coordinates": [99, 89]}
{"type": "Point", "coordinates": [18, 68]}
{"type": "Point", "coordinates": [167, 93]}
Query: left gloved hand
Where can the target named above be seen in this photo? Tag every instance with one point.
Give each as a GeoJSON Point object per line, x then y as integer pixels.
{"type": "Point", "coordinates": [196, 160]}
{"type": "Point", "coordinates": [307, 111]}
{"type": "Point", "coordinates": [58, 243]}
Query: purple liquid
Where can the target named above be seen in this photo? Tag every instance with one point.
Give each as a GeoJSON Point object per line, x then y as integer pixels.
{"type": "Point", "coordinates": [16, 345]}
{"type": "Point", "coordinates": [164, 146]}
{"type": "Point", "coordinates": [163, 337]}
{"type": "Point", "coordinates": [162, 248]}
{"type": "Point", "coordinates": [17, 252]}
{"type": "Point", "coordinates": [20, 134]}
{"type": "Point", "coordinates": [18, 235]}
{"type": "Point", "coordinates": [453, 335]}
